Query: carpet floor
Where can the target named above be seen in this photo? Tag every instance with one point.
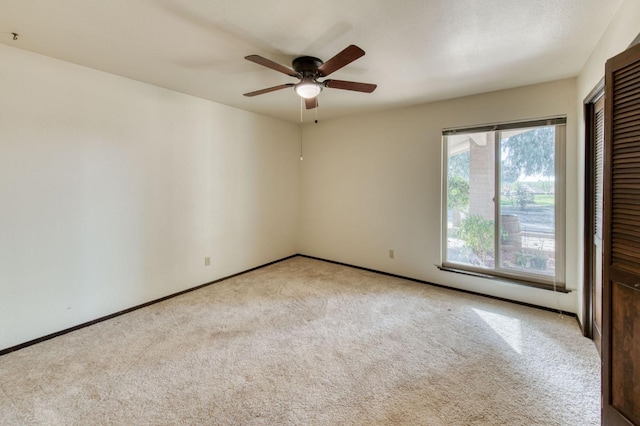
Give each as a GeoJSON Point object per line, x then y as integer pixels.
{"type": "Point", "coordinates": [307, 342]}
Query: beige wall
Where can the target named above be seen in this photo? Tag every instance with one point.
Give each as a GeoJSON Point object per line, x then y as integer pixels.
{"type": "Point", "coordinates": [112, 192]}
{"type": "Point", "coordinates": [373, 183]}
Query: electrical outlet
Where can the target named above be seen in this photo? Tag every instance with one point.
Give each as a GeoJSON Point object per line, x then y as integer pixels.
{"type": "Point", "coordinates": [207, 261]}
{"type": "Point", "coordinates": [392, 254]}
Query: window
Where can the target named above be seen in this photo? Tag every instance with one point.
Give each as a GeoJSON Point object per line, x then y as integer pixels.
{"type": "Point", "coordinates": [504, 201]}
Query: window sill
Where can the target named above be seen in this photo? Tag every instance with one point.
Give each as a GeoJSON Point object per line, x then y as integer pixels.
{"type": "Point", "coordinates": [542, 286]}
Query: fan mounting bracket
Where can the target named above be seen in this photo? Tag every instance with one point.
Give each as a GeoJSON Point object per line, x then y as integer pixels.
{"type": "Point", "coordinates": [306, 64]}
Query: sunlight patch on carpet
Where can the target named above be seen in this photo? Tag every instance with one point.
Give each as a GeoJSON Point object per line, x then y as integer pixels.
{"type": "Point", "coordinates": [509, 329]}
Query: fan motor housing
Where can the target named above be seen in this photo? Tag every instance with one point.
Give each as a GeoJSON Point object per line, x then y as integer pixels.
{"type": "Point", "coordinates": [306, 64]}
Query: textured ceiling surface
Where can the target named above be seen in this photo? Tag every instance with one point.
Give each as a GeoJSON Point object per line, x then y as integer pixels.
{"type": "Point", "coordinates": [416, 50]}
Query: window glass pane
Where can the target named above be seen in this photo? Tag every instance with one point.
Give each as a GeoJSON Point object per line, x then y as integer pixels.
{"type": "Point", "coordinates": [501, 201]}
{"type": "Point", "coordinates": [470, 194]}
{"type": "Point", "coordinates": [527, 201]}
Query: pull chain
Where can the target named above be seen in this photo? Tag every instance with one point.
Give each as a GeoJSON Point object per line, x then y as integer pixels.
{"type": "Point", "coordinates": [301, 105]}
{"type": "Point", "coordinates": [301, 157]}
{"type": "Point", "coordinates": [317, 107]}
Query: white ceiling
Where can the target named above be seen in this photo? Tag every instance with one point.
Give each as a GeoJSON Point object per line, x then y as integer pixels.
{"type": "Point", "coordinates": [417, 50]}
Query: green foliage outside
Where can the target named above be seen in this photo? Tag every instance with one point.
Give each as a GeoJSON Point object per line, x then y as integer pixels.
{"type": "Point", "coordinates": [533, 259]}
{"type": "Point", "coordinates": [516, 197]}
{"type": "Point", "coordinates": [529, 153]}
{"type": "Point", "coordinates": [541, 200]}
{"type": "Point", "coordinates": [458, 193]}
{"type": "Point", "coordinates": [459, 164]}
{"type": "Point", "coordinates": [545, 200]}
{"type": "Point", "coordinates": [477, 232]}
{"type": "Point", "coordinates": [544, 185]}
{"type": "Point", "coordinates": [523, 195]}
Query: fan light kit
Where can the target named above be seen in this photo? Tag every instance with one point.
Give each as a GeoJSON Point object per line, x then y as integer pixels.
{"type": "Point", "coordinates": [308, 90]}
{"type": "Point", "coordinates": [308, 69]}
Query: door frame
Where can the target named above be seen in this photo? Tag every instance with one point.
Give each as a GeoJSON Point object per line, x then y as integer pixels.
{"type": "Point", "coordinates": [589, 185]}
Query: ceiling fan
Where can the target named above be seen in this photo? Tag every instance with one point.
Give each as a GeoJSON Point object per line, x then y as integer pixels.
{"type": "Point", "coordinates": [308, 69]}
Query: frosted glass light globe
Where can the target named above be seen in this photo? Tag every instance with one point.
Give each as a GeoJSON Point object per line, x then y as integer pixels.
{"type": "Point", "coordinates": [308, 90]}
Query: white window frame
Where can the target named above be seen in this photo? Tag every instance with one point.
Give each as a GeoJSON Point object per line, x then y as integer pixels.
{"type": "Point", "coordinates": [556, 282]}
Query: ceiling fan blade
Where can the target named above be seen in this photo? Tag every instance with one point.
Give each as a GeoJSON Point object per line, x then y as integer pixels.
{"type": "Point", "coordinates": [270, 64]}
{"type": "Point", "coordinates": [350, 85]}
{"type": "Point", "coordinates": [269, 89]}
{"type": "Point", "coordinates": [311, 103]}
{"type": "Point", "coordinates": [348, 55]}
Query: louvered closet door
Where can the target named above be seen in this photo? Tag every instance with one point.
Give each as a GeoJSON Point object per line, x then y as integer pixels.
{"type": "Point", "coordinates": [621, 240]}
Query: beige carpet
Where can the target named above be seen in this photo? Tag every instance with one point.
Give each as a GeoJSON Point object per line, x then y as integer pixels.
{"type": "Point", "coordinates": [306, 342]}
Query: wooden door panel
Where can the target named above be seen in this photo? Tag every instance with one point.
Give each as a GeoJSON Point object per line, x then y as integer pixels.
{"type": "Point", "coordinates": [621, 221]}
{"type": "Point", "coordinates": [625, 351]}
